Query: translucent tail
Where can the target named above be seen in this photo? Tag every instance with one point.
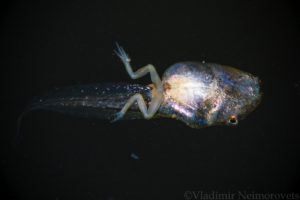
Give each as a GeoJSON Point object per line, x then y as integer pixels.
{"type": "Point", "coordinates": [100, 101]}
{"type": "Point", "coordinates": [18, 137]}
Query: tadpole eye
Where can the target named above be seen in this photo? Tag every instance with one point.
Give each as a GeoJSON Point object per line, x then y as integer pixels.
{"type": "Point", "coordinates": [233, 120]}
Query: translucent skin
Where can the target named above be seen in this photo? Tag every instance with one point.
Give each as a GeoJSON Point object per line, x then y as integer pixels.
{"type": "Point", "coordinates": [206, 94]}
{"type": "Point", "coordinates": [199, 94]}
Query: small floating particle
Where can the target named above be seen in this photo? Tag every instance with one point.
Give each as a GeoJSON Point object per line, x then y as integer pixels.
{"type": "Point", "coordinates": [134, 156]}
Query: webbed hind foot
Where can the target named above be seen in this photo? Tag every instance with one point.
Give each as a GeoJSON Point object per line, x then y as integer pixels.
{"type": "Point", "coordinates": [116, 117]}
{"type": "Point", "coordinates": [120, 52]}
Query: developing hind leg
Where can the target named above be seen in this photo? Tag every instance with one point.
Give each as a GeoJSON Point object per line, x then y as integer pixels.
{"type": "Point", "coordinates": [147, 113]}
{"type": "Point", "coordinates": [140, 72]}
{"type": "Point", "coordinates": [156, 99]}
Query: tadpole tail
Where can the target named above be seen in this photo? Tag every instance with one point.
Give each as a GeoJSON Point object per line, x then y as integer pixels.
{"type": "Point", "coordinates": [100, 101]}
{"type": "Point", "coordinates": [18, 136]}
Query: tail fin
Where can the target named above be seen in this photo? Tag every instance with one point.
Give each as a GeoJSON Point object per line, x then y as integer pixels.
{"type": "Point", "coordinates": [17, 138]}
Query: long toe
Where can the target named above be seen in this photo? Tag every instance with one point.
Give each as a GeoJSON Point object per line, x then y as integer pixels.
{"type": "Point", "coordinates": [116, 117]}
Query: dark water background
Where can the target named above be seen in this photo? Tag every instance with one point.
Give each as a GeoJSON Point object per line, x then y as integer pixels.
{"type": "Point", "coordinates": [58, 43]}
